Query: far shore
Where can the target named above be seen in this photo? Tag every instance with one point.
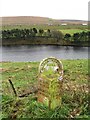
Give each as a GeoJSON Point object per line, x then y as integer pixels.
{"type": "Point", "coordinates": [44, 42]}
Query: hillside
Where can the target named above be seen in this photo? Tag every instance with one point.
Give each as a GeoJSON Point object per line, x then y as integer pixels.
{"type": "Point", "coordinates": [24, 20]}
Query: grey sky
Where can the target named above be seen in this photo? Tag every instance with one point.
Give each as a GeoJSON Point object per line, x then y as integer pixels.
{"type": "Point", "coordinates": [57, 9]}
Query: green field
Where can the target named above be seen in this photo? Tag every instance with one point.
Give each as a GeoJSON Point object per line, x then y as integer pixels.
{"type": "Point", "coordinates": [71, 29]}
{"type": "Point", "coordinates": [24, 76]}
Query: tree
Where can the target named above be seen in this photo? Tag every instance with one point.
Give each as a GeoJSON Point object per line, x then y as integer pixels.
{"type": "Point", "coordinates": [83, 36]}
{"type": "Point", "coordinates": [67, 37]}
{"type": "Point", "coordinates": [88, 36]}
{"type": "Point", "coordinates": [76, 37]}
{"type": "Point", "coordinates": [35, 30]}
{"type": "Point", "coordinates": [41, 31]}
{"type": "Point", "coordinates": [48, 33]}
{"type": "Point", "coordinates": [57, 34]}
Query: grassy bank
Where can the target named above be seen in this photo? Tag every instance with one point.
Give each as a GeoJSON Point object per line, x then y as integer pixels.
{"type": "Point", "coordinates": [43, 41]}
{"type": "Point", "coordinates": [24, 76]}
{"type": "Point", "coordinates": [24, 35]}
{"type": "Point", "coordinates": [68, 38]}
{"type": "Point", "coordinates": [45, 27]}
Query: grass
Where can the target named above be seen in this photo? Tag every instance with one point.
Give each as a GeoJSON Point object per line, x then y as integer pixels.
{"type": "Point", "coordinates": [24, 75]}
{"type": "Point", "coordinates": [71, 29]}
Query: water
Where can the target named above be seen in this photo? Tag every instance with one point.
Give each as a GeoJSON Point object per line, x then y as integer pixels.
{"type": "Point", "coordinates": [38, 52]}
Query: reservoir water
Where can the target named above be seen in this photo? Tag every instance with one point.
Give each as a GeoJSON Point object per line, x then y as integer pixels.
{"type": "Point", "coordinates": [38, 52]}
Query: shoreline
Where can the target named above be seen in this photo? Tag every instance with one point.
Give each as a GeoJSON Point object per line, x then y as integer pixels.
{"type": "Point", "coordinates": [46, 44]}
{"type": "Point", "coordinates": [40, 61]}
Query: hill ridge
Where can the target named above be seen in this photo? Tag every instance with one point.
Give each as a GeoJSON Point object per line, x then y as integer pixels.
{"type": "Point", "coordinates": [23, 20]}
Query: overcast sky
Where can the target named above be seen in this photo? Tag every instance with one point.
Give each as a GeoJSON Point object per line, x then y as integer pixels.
{"type": "Point", "coordinates": [57, 9]}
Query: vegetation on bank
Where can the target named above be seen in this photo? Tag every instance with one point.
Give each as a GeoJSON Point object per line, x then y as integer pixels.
{"type": "Point", "coordinates": [46, 27]}
{"type": "Point", "coordinates": [24, 76]}
{"type": "Point", "coordinates": [40, 36]}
